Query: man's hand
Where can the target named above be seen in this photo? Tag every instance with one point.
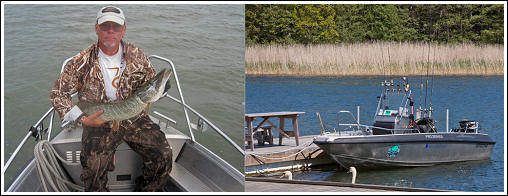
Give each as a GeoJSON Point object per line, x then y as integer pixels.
{"type": "Point", "coordinates": [93, 120]}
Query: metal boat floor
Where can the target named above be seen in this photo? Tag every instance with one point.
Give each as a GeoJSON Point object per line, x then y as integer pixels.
{"type": "Point", "coordinates": [67, 144]}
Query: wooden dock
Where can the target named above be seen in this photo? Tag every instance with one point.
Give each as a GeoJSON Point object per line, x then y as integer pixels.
{"type": "Point", "coordinates": [288, 156]}
{"type": "Point", "coordinates": [254, 184]}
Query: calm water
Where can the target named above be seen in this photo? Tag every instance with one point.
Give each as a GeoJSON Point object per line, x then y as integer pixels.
{"type": "Point", "coordinates": [467, 97]}
{"type": "Point", "coordinates": [206, 43]}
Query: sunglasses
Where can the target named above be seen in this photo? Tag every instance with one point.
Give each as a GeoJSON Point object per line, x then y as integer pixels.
{"type": "Point", "coordinates": [106, 26]}
{"type": "Point", "coordinates": [110, 9]}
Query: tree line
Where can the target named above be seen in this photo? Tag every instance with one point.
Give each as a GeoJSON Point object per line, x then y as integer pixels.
{"type": "Point", "coordinates": [349, 23]}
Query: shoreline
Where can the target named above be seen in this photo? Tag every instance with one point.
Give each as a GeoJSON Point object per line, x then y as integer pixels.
{"type": "Point", "coordinates": [374, 74]}
{"type": "Point", "coordinates": [456, 70]}
{"type": "Point", "coordinates": [382, 58]}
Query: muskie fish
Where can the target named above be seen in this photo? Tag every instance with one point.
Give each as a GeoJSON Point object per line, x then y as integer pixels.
{"type": "Point", "coordinates": [150, 92]}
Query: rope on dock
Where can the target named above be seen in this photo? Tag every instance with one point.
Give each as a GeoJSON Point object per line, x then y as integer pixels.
{"type": "Point", "coordinates": [306, 144]}
{"type": "Point", "coordinates": [50, 172]}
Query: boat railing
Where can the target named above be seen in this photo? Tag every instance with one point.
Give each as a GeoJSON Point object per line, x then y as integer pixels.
{"type": "Point", "coordinates": [352, 116]}
{"type": "Point", "coordinates": [369, 128]}
{"type": "Point", "coordinates": [187, 107]}
{"type": "Point", "coordinates": [366, 128]}
{"type": "Point", "coordinates": [37, 130]}
{"type": "Point", "coordinates": [393, 130]}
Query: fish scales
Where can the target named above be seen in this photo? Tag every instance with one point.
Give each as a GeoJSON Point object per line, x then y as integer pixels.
{"type": "Point", "coordinates": [133, 105]}
{"type": "Point", "coordinates": [118, 110]}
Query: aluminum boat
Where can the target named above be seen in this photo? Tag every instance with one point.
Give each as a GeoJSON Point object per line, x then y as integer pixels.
{"type": "Point", "coordinates": [195, 168]}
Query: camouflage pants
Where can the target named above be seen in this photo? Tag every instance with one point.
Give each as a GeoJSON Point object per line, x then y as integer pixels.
{"type": "Point", "coordinates": [143, 136]}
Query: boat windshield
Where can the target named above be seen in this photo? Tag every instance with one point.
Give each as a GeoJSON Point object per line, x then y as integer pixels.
{"type": "Point", "coordinates": [391, 102]}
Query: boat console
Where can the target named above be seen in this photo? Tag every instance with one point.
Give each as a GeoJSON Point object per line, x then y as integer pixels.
{"type": "Point", "coordinates": [392, 112]}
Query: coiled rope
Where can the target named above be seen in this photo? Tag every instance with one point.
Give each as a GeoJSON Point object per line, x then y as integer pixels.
{"type": "Point", "coordinates": [50, 172]}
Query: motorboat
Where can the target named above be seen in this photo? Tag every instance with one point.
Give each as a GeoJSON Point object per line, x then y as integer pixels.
{"type": "Point", "coordinates": [401, 137]}
{"type": "Point", "coordinates": [195, 168]}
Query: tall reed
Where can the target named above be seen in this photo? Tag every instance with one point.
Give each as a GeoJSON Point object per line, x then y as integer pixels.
{"type": "Point", "coordinates": [381, 58]}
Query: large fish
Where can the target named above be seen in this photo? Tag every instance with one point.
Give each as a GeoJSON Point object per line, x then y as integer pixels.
{"type": "Point", "coordinates": [150, 92]}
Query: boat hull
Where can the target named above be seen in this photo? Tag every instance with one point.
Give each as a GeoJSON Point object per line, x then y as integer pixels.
{"type": "Point", "coordinates": [406, 150]}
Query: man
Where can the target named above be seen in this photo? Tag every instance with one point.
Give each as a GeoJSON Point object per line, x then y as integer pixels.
{"type": "Point", "coordinates": [107, 71]}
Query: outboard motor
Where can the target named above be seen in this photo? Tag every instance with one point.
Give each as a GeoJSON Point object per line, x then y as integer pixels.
{"type": "Point", "coordinates": [468, 126]}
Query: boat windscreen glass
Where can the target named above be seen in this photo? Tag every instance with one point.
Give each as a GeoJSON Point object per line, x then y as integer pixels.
{"type": "Point", "coordinates": [390, 103]}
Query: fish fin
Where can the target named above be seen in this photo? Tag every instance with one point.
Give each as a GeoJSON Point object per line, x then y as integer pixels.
{"type": "Point", "coordinates": [116, 125]}
{"type": "Point", "coordinates": [147, 108]}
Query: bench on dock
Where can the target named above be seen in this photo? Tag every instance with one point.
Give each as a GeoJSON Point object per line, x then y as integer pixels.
{"type": "Point", "coordinates": [249, 118]}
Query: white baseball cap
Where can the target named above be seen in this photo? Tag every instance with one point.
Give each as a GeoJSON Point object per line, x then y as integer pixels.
{"type": "Point", "coordinates": [110, 13]}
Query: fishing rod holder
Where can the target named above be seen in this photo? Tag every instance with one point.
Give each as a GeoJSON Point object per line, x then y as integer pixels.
{"type": "Point", "coordinates": [201, 125]}
{"type": "Point", "coordinates": [38, 131]}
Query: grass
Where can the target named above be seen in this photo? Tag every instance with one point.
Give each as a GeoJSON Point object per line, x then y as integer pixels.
{"type": "Point", "coordinates": [375, 59]}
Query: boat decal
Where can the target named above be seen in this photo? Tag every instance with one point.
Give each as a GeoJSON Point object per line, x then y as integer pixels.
{"type": "Point", "coordinates": [435, 146]}
{"type": "Point", "coordinates": [434, 136]}
{"type": "Point", "coordinates": [393, 151]}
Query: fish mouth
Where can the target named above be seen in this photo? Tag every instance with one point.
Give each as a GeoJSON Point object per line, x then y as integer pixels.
{"type": "Point", "coordinates": [163, 83]}
{"type": "Point", "coordinates": [155, 88]}
{"type": "Point", "coordinates": [167, 85]}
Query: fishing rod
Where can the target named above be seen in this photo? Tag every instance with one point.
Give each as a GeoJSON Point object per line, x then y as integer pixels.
{"type": "Point", "coordinates": [421, 91]}
{"type": "Point", "coordinates": [432, 82]}
{"type": "Point", "coordinates": [389, 68]}
{"type": "Point", "coordinates": [427, 80]}
{"type": "Point", "coordinates": [383, 65]}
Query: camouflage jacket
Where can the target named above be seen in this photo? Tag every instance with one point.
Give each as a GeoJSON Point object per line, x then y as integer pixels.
{"type": "Point", "coordinates": [83, 75]}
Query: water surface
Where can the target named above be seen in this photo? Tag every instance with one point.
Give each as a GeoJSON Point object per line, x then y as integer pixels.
{"type": "Point", "coordinates": [206, 43]}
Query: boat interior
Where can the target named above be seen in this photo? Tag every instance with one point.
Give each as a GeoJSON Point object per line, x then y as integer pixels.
{"type": "Point", "coordinates": [195, 168]}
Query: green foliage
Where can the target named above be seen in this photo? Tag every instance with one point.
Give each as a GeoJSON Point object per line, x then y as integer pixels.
{"type": "Point", "coordinates": [323, 23]}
